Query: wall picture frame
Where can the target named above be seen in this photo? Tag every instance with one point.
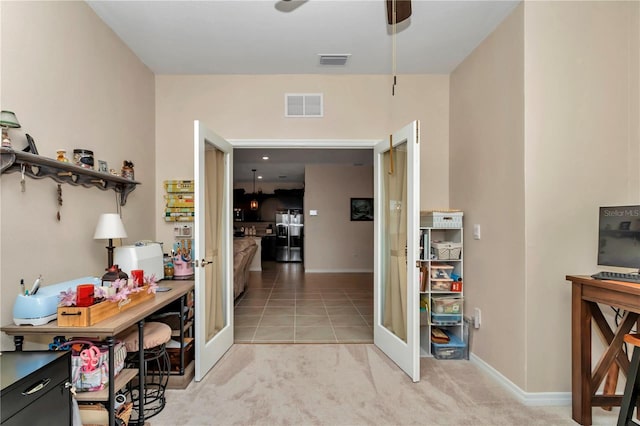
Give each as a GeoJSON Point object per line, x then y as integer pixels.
{"type": "Point", "coordinates": [361, 209]}
{"type": "Point", "coordinates": [103, 166]}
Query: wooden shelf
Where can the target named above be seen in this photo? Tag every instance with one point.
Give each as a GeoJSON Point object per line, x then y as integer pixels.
{"type": "Point", "coordinates": [124, 377]}
{"type": "Point", "coordinates": [187, 326]}
{"type": "Point", "coordinates": [38, 167]}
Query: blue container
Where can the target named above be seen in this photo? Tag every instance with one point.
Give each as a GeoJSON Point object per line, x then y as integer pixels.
{"type": "Point", "coordinates": [455, 349]}
{"type": "Point", "coordinates": [446, 319]}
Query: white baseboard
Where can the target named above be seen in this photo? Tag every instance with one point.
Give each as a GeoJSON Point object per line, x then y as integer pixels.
{"type": "Point", "coordinates": [526, 398]}
{"type": "Point", "coordinates": [337, 271]}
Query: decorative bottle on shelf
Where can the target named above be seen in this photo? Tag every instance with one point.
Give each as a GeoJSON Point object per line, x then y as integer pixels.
{"type": "Point", "coordinates": [61, 155]}
{"type": "Point", "coordinates": [127, 170]}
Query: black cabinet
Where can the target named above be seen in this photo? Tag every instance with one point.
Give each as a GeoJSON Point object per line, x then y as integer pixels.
{"type": "Point", "coordinates": [269, 248]}
{"type": "Point", "coordinates": [34, 388]}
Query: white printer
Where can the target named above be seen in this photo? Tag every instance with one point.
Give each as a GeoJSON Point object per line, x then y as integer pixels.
{"type": "Point", "coordinates": [143, 255]}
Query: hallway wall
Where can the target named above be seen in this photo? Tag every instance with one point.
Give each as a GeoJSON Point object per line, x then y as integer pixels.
{"type": "Point", "coordinates": [333, 243]}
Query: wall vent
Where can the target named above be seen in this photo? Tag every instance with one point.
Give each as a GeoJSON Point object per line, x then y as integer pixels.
{"type": "Point", "coordinates": [303, 105]}
{"type": "Point", "coordinates": [334, 59]}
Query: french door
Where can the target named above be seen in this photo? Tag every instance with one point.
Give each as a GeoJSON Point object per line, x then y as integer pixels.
{"type": "Point", "coordinates": [213, 254]}
{"type": "Point", "coordinates": [396, 329]}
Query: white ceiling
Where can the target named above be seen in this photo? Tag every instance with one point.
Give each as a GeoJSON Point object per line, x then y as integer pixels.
{"type": "Point", "coordinates": [285, 37]}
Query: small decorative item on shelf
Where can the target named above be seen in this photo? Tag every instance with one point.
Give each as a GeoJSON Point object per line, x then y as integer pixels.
{"type": "Point", "coordinates": [61, 155]}
{"type": "Point", "coordinates": [7, 120]}
{"type": "Point", "coordinates": [127, 170]}
{"type": "Point", "coordinates": [31, 145]}
{"type": "Point", "coordinates": [103, 167]}
{"type": "Point", "coordinates": [83, 158]}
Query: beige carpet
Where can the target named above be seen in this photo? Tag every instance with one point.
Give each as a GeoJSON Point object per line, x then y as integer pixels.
{"type": "Point", "coordinates": [348, 384]}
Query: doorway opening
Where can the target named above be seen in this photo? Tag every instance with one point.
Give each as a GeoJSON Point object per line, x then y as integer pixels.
{"type": "Point", "coordinates": [326, 297]}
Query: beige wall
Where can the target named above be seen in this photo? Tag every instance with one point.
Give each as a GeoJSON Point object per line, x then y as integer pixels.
{"type": "Point", "coordinates": [544, 129]}
{"type": "Point", "coordinates": [487, 183]}
{"type": "Point", "coordinates": [252, 107]}
{"type": "Point", "coordinates": [581, 152]}
{"type": "Point", "coordinates": [333, 243]}
{"type": "Point", "coordinates": [72, 84]}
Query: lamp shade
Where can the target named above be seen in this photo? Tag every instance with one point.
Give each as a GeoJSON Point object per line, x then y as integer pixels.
{"type": "Point", "coordinates": [109, 226]}
{"type": "Point", "coordinates": [8, 119]}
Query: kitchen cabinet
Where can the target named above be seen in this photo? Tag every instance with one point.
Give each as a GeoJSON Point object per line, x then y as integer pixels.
{"type": "Point", "coordinates": [38, 167]}
{"type": "Point", "coordinates": [35, 388]}
{"type": "Point", "coordinates": [441, 291]}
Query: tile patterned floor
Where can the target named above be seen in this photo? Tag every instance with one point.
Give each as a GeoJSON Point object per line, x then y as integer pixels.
{"type": "Point", "coordinates": [282, 304]}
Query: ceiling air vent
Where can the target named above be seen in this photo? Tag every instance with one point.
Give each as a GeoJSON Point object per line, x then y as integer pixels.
{"type": "Point", "coordinates": [333, 59]}
{"type": "Point", "coordinates": [303, 105]}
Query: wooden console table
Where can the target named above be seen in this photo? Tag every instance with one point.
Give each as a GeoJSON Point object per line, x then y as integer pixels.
{"type": "Point", "coordinates": [586, 293]}
{"type": "Point", "coordinates": [108, 329]}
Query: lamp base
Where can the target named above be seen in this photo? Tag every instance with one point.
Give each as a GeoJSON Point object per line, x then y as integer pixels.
{"type": "Point", "coordinates": [110, 248]}
{"type": "Point", "coordinates": [6, 142]}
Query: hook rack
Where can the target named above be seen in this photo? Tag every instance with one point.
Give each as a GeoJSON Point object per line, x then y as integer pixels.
{"type": "Point", "coordinates": [38, 167]}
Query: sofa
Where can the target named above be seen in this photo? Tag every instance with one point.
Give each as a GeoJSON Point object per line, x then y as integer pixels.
{"type": "Point", "coordinates": [244, 249]}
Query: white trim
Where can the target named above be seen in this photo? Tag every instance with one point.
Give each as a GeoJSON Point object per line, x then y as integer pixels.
{"type": "Point", "coordinates": [527, 398]}
{"type": "Point", "coordinates": [337, 271]}
{"type": "Point", "coordinates": [305, 143]}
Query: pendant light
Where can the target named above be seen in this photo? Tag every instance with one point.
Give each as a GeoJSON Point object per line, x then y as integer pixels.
{"type": "Point", "coordinates": [253, 205]}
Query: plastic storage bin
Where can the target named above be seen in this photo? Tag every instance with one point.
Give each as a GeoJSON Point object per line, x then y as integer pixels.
{"type": "Point", "coordinates": [455, 349]}
{"type": "Point", "coordinates": [446, 305]}
{"type": "Point", "coordinates": [441, 219]}
{"type": "Point", "coordinates": [446, 319]}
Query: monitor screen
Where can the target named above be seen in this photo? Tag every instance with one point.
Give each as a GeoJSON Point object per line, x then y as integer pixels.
{"type": "Point", "coordinates": [619, 236]}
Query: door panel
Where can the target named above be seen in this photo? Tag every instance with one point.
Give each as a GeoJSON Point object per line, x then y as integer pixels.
{"type": "Point", "coordinates": [213, 267]}
{"type": "Point", "coordinates": [396, 228]}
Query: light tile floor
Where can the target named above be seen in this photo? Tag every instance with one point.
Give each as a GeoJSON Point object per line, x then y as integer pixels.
{"type": "Point", "coordinates": [282, 304]}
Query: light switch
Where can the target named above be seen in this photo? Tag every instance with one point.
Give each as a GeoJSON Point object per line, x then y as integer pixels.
{"type": "Point", "coordinates": [313, 212]}
{"type": "Point", "coordinates": [476, 232]}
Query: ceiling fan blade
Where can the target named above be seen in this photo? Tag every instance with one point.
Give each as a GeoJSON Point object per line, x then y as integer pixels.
{"type": "Point", "coordinates": [403, 10]}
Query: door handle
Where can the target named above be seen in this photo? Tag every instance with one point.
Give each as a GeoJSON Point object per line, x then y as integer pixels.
{"type": "Point", "coordinates": [204, 263]}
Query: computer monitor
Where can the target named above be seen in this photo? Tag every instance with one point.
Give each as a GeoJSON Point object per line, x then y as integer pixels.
{"type": "Point", "coordinates": [619, 236]}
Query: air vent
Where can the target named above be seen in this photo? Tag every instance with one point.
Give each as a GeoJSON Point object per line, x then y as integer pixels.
{"type": "Point", "coordinates": [303, 105]}
{"type": "Point", "coordinates": [333, 59]}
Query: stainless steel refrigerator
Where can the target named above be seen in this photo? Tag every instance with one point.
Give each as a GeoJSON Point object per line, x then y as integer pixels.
{"type": "Point", "coordinates": [289, 235]}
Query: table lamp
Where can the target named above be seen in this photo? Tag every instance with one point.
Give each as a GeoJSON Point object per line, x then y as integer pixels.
{"type": "Point", "coordinates": [7, 120]}
{"type": "Point", "coordinates": [109, 226]}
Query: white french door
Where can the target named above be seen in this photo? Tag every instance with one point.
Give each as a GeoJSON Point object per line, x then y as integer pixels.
{"type": "Point", "coordinates": [396, 329]}
{"type": "Point", "coordinates": [213, 254]}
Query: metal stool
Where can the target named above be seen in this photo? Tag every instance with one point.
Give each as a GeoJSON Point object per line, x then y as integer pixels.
{"type": "Point", "coordinates": [632, 388]}
{"type": "Point", "coordinates": [155, 370]}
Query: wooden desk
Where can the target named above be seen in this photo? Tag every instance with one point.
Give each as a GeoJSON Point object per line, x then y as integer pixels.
{"type": "Point", "coordinates": [108, 329]}
{"type": "Point", "coordinates": [586, 293]}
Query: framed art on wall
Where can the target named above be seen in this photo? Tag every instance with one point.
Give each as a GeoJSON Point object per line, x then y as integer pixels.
{"type": "Point", "coordinates": [362, 209]}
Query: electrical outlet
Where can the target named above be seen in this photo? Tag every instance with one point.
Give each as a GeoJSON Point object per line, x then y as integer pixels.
{"type": "Point", "coordinates": [477, 317]}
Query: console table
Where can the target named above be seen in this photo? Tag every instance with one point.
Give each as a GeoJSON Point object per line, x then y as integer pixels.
{"type": "Point", "coordinates": [108, 329]}
{"type": "Point", "coordinates": [586, 293]}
